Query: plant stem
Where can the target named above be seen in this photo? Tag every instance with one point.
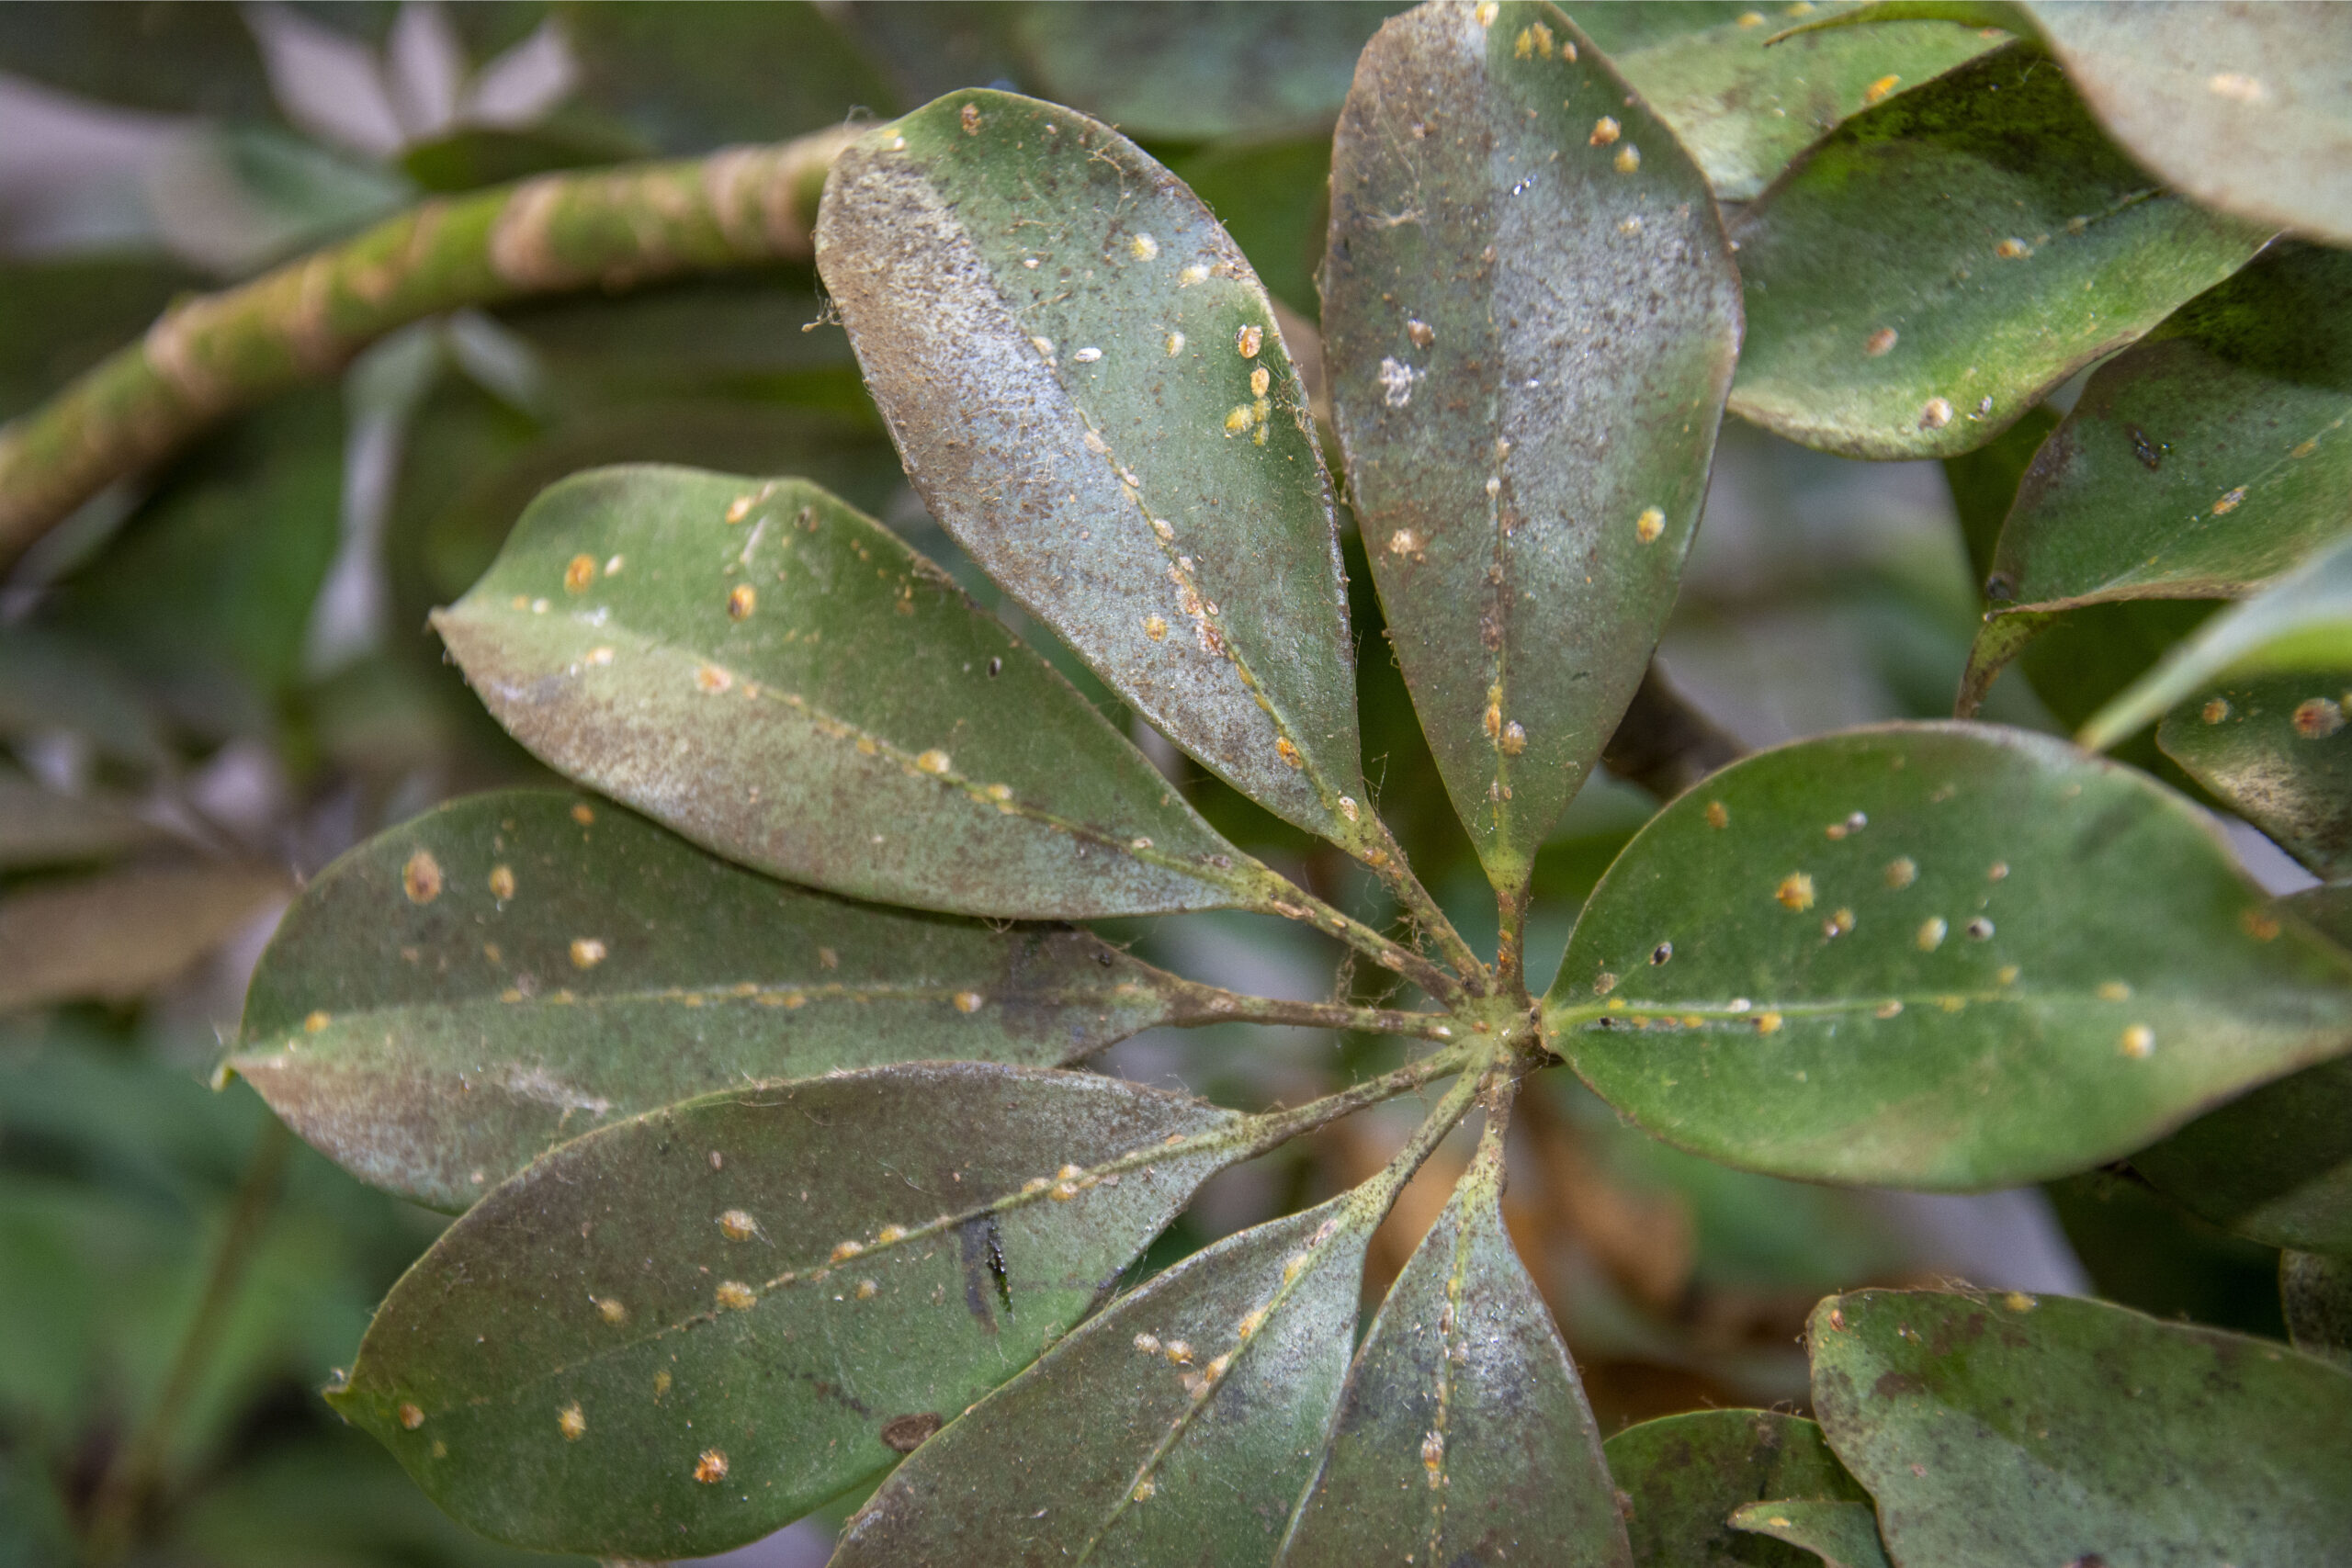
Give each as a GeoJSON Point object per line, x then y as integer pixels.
{"type": "Point", "coordinates": [1292, 902]}
{"type": "Point", "coordinates": [1510, 942]}
{"type": "Point", "coordinates": [1207, 1004]}
{"type": "Point", "coordinates": [1397, 873]}
{"type": "Point", "coordinates": [133, 1474]}
{"type": "Point", "coordinates": [209, 357]}
{"type": "Point", "coordinates": [1275, 1128]}
{"type": "Point", "coordinates": [1382, 1190]}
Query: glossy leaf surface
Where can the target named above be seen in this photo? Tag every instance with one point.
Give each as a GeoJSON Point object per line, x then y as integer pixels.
{"type": "Point", "coordinates": [2278, 751]}
{"type": "Point", "coordinates": [1531, 324]}
{"type": "Point", "coordinates": [1934, 956]}
{"type": "Point", "coordinates": [2275, 1164]}
{"type": "Point", "coordinates": [764, 670]}
{"type": "Point", "coordinates": [2204, 460]}
{"type": "Point", "coordinates": [2303, 621]}
{"type": "Point", "coordinates": [1086, 383]}
{"type": "Point", "coordinates": [1923, 275]}
{"type": "Point", "coordinates": [1686, 1475]}
{"type": "Point", "coordinates": [2001, 1429]}
{"type": "Point", "coordinates": [1841, 1534]}
{"type": "Point", "coordinates": [1462, 1437]}
{"type": "Point", "coordinates": [1178, 1426]}
{"type": "Point", "coordinates": [2240, 107]}
{"type": "Point", "coordinates": [680, 1332]}
{"type": "Point", "coordinates": [461, 993]}
{"type": "Point", "coordinates": [2316, 1292]}
{"type": "Point", "coordinates": [1745, 110]}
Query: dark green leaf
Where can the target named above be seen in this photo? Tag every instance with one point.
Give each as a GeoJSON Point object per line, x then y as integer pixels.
{"type": "Point", "coordinates": [39, 827]}
{"type": "Point", "coordinates": [1937, 956]}
{"type": "Point", "coordinates": [2317, 1294]}
{"type": "Point", "coordinates": [1923, 275]}
{"type": "Point", "coordinates": [778, 678]}
{"type": "Point", "coordinates": [2276, 1165]}
{"type": "Point", "coordinates": [2239, 106]}
{"type": "Point", "coordinates": [1177, 1427]}
{"type": "Point", "coordinates": [1684, 1476]}
{"type": "Point", "coordinates": [1199, 72]}
{"type": "Point", "coordinates": [150, 55]}
{"type": "Point", "coordinates": [459, 994]}
{"type": "Point", "coordinates": [1985, 483]}
{"type": "Point", "coordinates": [1086, 382]}
{"type": "Point", "coordinates": [51, 683]}
{"type": "Point", "coordinates": [1532, 324]}
{"type": "Point", "coordinates": [1463, 1435]}
{"type": "Point", "coordinates": [680, 1332]}
{"type": "Point", "coordinates": [119, 933]}
{"type": "Point", "coordinates": [1745, 110]}
{"type": "Point", "coordinates": [207, 596]}
{"type": "Point", "coordinates": [2007, 1429]}
{"type": "Point", "coordinates": [692, 77]}
{"type": "Point", "coordinates": [1842, 1534]}
{"type": "Point", "coordinates": [2278, 751]}
{"type": "Point", "coordinates": [2205, 459]}
{"type": "Point", "coordinates": [469, 157]}
{"type": "Point", "coordinates": [1273, 198]}
{"type": "Point", "coordinates": [2303, 621]}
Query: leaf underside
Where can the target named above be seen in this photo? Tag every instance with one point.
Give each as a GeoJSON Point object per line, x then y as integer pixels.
{"type": "Point", "coordinates": [1930, 269]}
{"type": "Point", "coordinates": [462, 993]}
{"type": "Point", "coordinates": [2277, 751]}
{"type": "Point", "coordinates": [2240, 107]}
{"type": "Point", "coordinates": [1085, 381]}
{"type": "Point", "coordinates": [1938, 957]}
{"type": "Point", "coordinates": [684, 1331]}
{"type": "Point", "coordinates": [2102, 1433]}
{"type": "Point", "coordinates": [777, 677]}
{"type": "Point", "coordinates": [1533, 324]}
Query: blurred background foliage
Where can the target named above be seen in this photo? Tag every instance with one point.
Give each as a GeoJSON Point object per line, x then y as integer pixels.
{"type": "Point", "coordinates": [216, 678]}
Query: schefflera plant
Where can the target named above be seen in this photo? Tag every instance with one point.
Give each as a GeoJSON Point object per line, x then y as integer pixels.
{"type": "Point", "coordinates": [752, 1072]}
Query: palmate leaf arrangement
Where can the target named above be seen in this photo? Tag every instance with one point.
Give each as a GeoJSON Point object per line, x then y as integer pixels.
{"type": "Point", "coordinates": [756, 1074]}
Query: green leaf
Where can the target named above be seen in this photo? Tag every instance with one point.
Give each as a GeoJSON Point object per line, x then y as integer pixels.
{"type": "Point", "coordinates": [1197, 72]}
{"type": "Point", "coordinates": [1934, 265]}
{"type": "Point", "coordinates": [1531, 326]}
{"type": "Point", "coordinates": [2278, 751]}
{"type": "Point", "coordinates": [460, 994]}
{"type": "Point", "coordinates": [176, 58]}
{"type": "Point", "coordinates": [2277, 1164]}
{"type": "Point", "coordinates": [2008, 1430]}
{"type": "Point", "coordinates": [1086, 383]}
{"type": "Point", "coordinates": [778, 678]}
{"type": "Point", "coordinates": [2317, 1295]}
{"type": "Point", "coordinates": [1179, 1427]}
{"type": "Point", "coordinates": [2240, 107]}
{"type": "Point", "coordinates": [2204, 460]}
{"type": "Point", "coordinates": [1934, 955]}
{"type": "Point", "coordinates": [1463, 1435]}
{"type": "Point", "coordinates": [1685, 1475]}
{"type": "Point", "coordinates": [1842, 1534]}
{"type": "Point", "coordinates": [692, 77]}
{"type": "Point", "coordinates": [1744, 109]}
{"type": "Point", "coordinates": [1985, 483]}
{"type": "Point", "coordinates": [677, 1333]}
{"type": "Point", "coordinates": [2303, 621]}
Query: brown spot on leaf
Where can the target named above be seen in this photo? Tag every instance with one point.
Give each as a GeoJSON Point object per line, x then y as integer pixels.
{"type": "Point", "coordinates": [905, 1434]}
